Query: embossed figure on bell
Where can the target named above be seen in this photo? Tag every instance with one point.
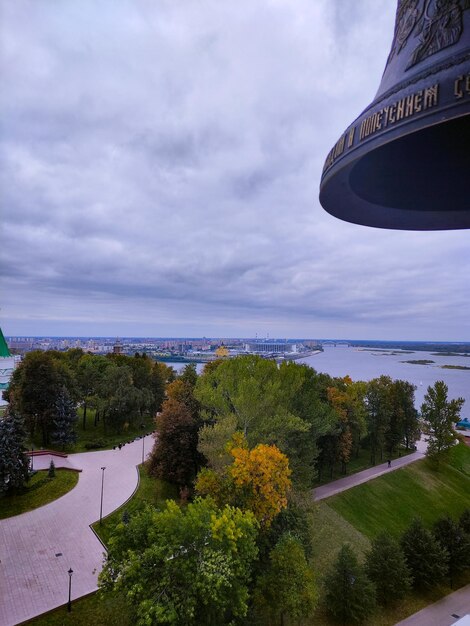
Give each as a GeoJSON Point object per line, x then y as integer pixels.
{"type": "Point", "coordinates": [404, 163]}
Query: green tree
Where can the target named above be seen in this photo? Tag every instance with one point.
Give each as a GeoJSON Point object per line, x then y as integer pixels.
{"type": "Point", "coordinates": [14, 464]}
{"type": "Point", "coordinates": [35, 387]}
{"type": "Point", "coordinates": [456, 542]}
{"type": "Point", "coordinates": [440, 416]}
{"type": "Point", "coordinates": [119, 399]}
{"type": "Point", "coordinates": [287, 588]}
{"type": "Point", "coordinates": [387, 569]}
{"type": "Point", "coordinates": [404, 424]}
{"type": "Point", "coordinates": [184, 567]}
{"type": "Point", "coordinates": [64, 420]}
{"type": "Point", "coordinates": [51, 470]}
{"type": "Point", "coordinates": [464, 521]}
{"type": "Point", "coordinates": [175, 456]}
{"type": "Point", "coordinates": [213, 439]}
{"type": "Point", "coordinates": [350, 595]}
{"type": "Point", "coordinates": [272, 405]}
{"type": "Point", "coordinates": [425, 557]}
{"type": "Point", "coordinates": [378, 411]}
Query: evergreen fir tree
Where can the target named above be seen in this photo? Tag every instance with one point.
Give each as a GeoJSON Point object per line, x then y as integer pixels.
{"type": "Point", "coordinates": [14, 463]}
{"type": "Point", "coordinates": [386, 567]}
{"type": "Point", "coordinates": [464, 521]}
{"type": "Point", "coordinates": [51, 472]}
{"type": "Point", "coordinates": [457, 543]}
{"type": "Point", "coordinates": [350, 594]}
{"type": "Point", "coordinates": [65, 420]}
{"type": "Point", "coordinates": [426, 558]}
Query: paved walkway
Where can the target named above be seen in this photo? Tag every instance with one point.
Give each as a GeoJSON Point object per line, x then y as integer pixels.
{"type": "Point", "coordinates": [325, 491]}
{"type": "Point", "coordinates": [38, 548]}
{"type": "Point", "coordinates": [444, 612]}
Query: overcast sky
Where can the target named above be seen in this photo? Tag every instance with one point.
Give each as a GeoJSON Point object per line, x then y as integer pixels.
{"type": "Point", "coordinates": [160, 167]}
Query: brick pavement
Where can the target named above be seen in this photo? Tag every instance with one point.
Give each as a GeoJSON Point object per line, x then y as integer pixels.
{"type": "Point", "coordinates": [32, 578]}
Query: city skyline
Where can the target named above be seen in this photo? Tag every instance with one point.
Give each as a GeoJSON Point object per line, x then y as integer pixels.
{"type": "Point", "coordinates": [160, 174]}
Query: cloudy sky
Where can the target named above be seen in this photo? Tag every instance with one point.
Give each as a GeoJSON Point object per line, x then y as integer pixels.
{"type": "Point", "coordinates": [160, 166]}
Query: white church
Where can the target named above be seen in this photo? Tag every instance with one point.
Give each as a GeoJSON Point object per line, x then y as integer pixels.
{"type": "Point", "coordinates": [7, 365]}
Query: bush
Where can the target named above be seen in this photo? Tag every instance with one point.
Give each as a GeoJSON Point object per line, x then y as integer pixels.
{"type": "Point", "coordinates": [94, 445]}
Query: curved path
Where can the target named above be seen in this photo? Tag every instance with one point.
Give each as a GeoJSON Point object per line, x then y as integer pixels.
{"type": "Point", "coordinates": [38, 548]}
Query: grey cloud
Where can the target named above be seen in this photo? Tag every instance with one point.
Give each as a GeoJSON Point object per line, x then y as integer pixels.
{"type": "Point", "coordinates": [160, 170]}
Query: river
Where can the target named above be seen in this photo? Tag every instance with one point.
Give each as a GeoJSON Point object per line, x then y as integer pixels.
{"type": "Point", "coordinates": [365, 364]}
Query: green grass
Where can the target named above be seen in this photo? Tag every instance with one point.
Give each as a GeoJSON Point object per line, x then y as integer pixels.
{"type": "Point", "coordinates": [330, 531]}
{"type": "Point", "coordinates": [38, 491]}
{"type": "Point", "coordinates": [391, 501]}
{"type": "Point", "coordinates": [150, 490]}
{"type": "Point", "coordinates": [93, 610]}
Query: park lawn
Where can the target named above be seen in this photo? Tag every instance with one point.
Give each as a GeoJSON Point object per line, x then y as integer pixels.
{"type": "Point", "coordinates": [38, 491]}
{"type": "Point", "coordinates": [93, 610]}
{"type": "Point", "coordinates": [150, 490]}
{"type": "Point", "coordinates": [421, 489]}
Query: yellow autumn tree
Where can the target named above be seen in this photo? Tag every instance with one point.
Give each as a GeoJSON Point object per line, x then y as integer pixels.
{"type": "Point", "coordinates": [257, 480]}
{"type": "Point", "coordinates": [261, 476]}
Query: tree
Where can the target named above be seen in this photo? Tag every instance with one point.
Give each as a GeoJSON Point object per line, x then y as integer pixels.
{"type": "Point", "coordinates": [186, 566]}
{"type": "Point", "coordinates": [387, 569]}
{"type": "Point", "coordinates": [464, 521]}
{"type": "Point", "coordinates": [457, 544]}
{"type": "Point", "coordinates": [440, 416]}
{"type": "Point", "coordinates": [271, 405]}
{"type": "Point", "coordinates": [425, 557]}
{"type": "Point", "coordinates": [287, 587]}
{"type": "Point", "coordinates": [35, 387]}
{"type": "Point", "coordinates": [404, 424]}
{"type": "Point", "coordinates": [175, 456]}
{"type": "Point", "coordinates": [350, 594]}
{"type": "Point", "coordinates": [378, 407]}
{"type": "Point", "coordinates": [14, 464]}
{"type": "Point", "coordinates": [51, 470]}
{"type": "Point", "coordinates": [64, 420]}
{"type": "Point", "coordinates": [119, 399]}
{"type": "Point", "coordinates": [213, 441]}
{"type": "Point", "coordinates": [257, 480]}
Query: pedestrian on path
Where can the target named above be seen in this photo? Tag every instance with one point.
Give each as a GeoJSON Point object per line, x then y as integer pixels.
{"type": "Point", "coordinates": [389, 463]}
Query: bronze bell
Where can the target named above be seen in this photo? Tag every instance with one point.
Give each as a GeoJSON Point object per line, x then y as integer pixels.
{"type": "Point", "coordinates": [405, 161]}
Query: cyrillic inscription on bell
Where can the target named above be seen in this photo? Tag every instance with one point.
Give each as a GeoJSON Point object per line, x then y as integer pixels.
{"type": "Point", "coordinates": [404, 163]}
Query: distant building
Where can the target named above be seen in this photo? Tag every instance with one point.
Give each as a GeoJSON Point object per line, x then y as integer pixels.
{"type": "Point", "coordinates": [117, 348]}
{"type": "Point", "coordinates": [270, 347]}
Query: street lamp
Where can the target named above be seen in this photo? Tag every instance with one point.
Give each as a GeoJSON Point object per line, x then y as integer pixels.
{"type": "Point", "coordinates": [69, 604]}
{"type": "Point", "coordinates": [102, 486]}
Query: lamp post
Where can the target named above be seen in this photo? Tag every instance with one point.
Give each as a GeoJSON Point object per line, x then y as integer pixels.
{"type": "Point", "coordinates": [102, 486]}
{"type": "Point", "coordinates": [32, 458]}
{"type": "Point", "coordinates": [69, 604]}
